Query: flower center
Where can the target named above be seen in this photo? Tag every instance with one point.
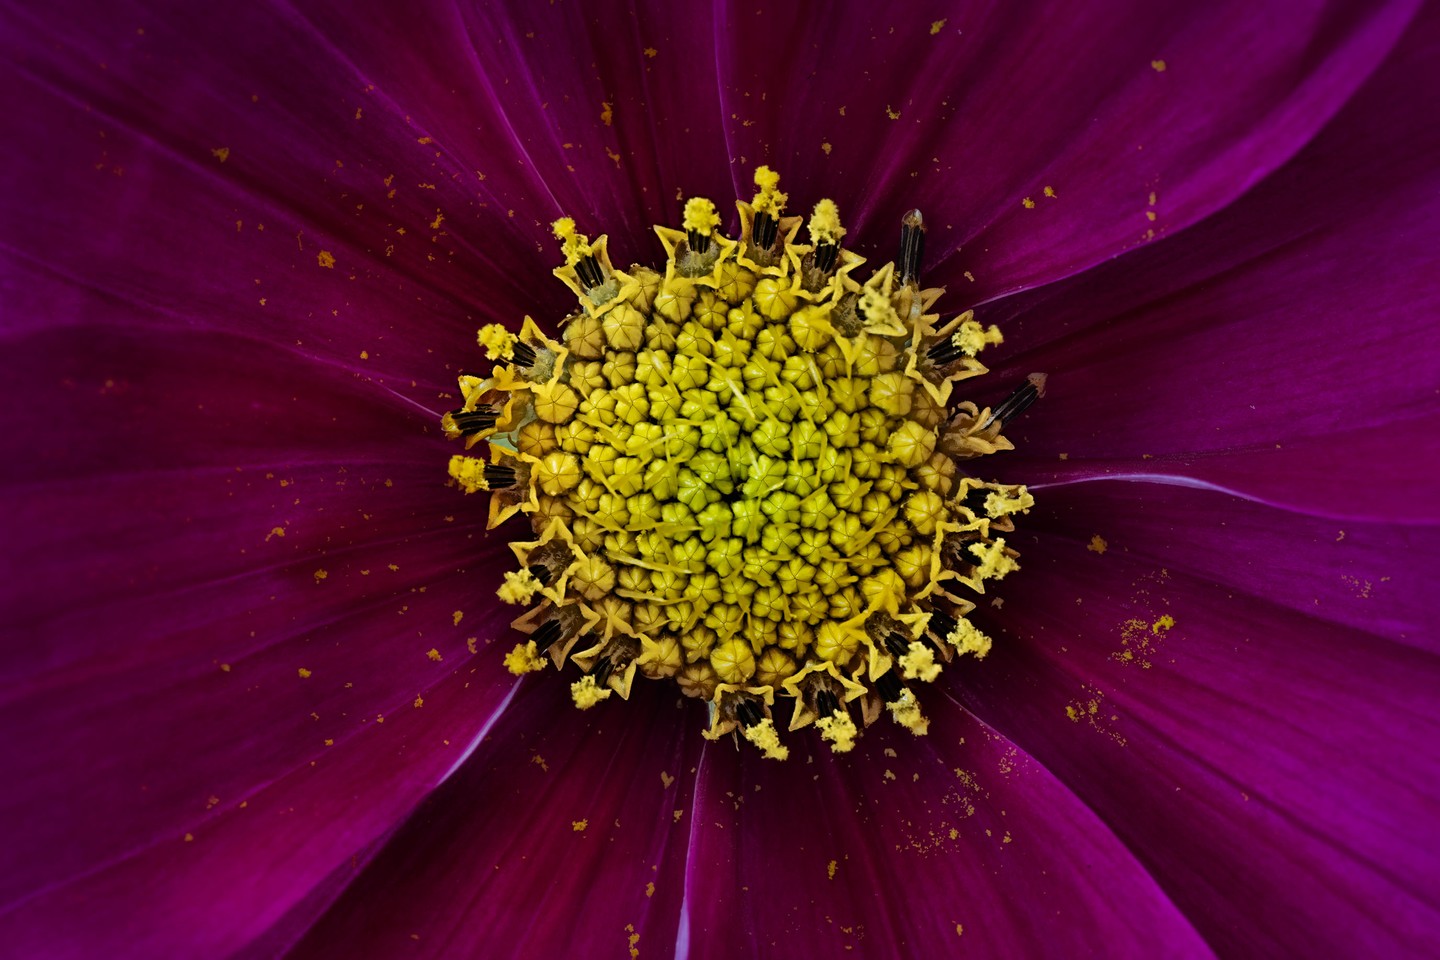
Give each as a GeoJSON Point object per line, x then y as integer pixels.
{"type": "Point", "coordinates": [746, 474]}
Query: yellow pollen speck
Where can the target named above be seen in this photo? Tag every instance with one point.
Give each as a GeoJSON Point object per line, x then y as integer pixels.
{"type": "Point", "coordinates": [434, 654]}
{"type": "Point", "coordinates": [498, 342]}
{"type": "Point", "coordinates": [906, 711]}
{"type": "Point", "coordinates": [575, 246]}
{"type": "Point", "coordinates": [918, 663]}
{"type": "Point", "coordinates": [607, 113]}
{"type": "Point", "coordinates": [579, 825]}
{"type": "Point", "coordinates": [321, 575]}
{"type": "Point", "coordinates": [839, 730]}
{"type": "Point", "coordinates": [826, 147]}
{"type": "Point", "coordinates": [650, 889]}
{"type": "Point", "coordinates": [1162, 625]}
{"type": "Point", "coordinates": [825, 223]}
{"type": "Point", "coordinates": [972, 337]}
{"type": "Point", "coordinates": [305, 674]}
{"type": "Point", "coordinates": [1050, 192]}
{"type": "Point", "coordinates": [1158, 66]}
{"type": "Point", "coordinates": [1028, 203]}
{"type": "Point", "coordinates": [326, 259]}
{"type": "Point", "coordinates": [525, 658]}
{"type": "Point", "coordinates": [892, 114]}
{"type": "Point", "coordinates": [364, 354]}
{"type": "Point", "coordinates": [830, 869]}
{"type": "Point", "coordinates": [650, 52]}
{"type": "Point", "coordinates": [457, 616]}
{"type": "Point", "coordinates": [966, 638]}
{"type": "Point", "coordinates": [700, 216]}
{"type": "Point", "coordinates": [936, 27]}
{"type": "Point", "coordinates": [769, 199]}
{"type": "Point", "coordinates": [189, 838]}
{"type": "Point", "coordinates": [419, 702]}
{"type": "Point", "coordinates": [221, 153]}
{"type": "Point", "coordinates": [519, 587]}
{"type": "Point", "coordinates": [586, 692]}
{"type": "Point", "coordinates": [1097, 544]}
{"type": "Point", "coordinates": [767, 738]}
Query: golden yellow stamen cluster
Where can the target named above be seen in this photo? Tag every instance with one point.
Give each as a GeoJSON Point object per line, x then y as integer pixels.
{"type": "Point", "coordinates": [743, 474]}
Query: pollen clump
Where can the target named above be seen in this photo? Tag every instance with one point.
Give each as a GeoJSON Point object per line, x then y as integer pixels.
{"type": "Point", "coordinates": [746, 472]}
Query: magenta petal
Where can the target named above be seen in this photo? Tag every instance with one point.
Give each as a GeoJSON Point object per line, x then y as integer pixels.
{"type": "Point", "coordinates": [1273, 771]}
{"type": "Point", "coordinates": [1286, 349]}
{"type": "Point", "coordinates": [1372, 578]}
{"type": "Point", "coordinates": [954, 843]}
{"type": "Point", "coordinates": [564, 835]}
{"type": "Point", "coordinates": [213, 568]}
{"type": "Point", "coordinates": [249, 858]}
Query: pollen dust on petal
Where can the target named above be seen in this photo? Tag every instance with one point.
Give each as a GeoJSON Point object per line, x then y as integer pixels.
{"type": "Point", "coordinates": [1097, 544]}
{"type": "Point", "coordinates": [305, 674]}
{"type": "Point", "coordinates": [221, 153]}
{"type": "Point", "coordinates": [321, 575]}
{"type": "Point", "coordinates": [666, 780]}
{"type": "Point", "coordinates": [579, 825]}
{"type": "Point", "coordinates": [831, 867]}
{"type": "Point", "coordinates": [457, 616]}
{"type": "Point", "coordinates": [634, 940]}
{"type": "Point", "coordinates": [326, 259]}
{"type": "Point", "coordinates": [1157, 65]}
{"type": "Point", "coordinates": [607, 113]}
{"type": "Point", "coordinates": [936, 27]}
{"type": "Point", "coordinates": [434, 654]}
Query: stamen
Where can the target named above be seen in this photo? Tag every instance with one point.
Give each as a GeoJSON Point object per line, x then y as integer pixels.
{"type": "Point", "coordinates": [766, 228]}
{"type": "Point", "coordinates": [1018, 402]}
{"type": "Point", "coordinates": [540, 572]}
{"type": "Point", "coordinates": [941, 624]}
{"type": "Point", "coordinates": [590, 274]}
{"type": "Point", "coordinates": [466, 423]}
{"type": "Point", "coordinates": [498, 476]}
{"type": "Point", "coordinates": [912, 248]}
{"type": "Point", "coordinates": [523, 353]}
{"type": "Point", "coordinates": [546, 635]}
{"type": "Point", "coordinates": [825, 234]}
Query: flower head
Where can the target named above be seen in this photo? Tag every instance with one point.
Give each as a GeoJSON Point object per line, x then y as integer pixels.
{"type": "Point", "coordinates": [255, 687]}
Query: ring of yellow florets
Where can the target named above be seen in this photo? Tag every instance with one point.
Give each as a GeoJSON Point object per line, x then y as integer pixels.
{"type": "Point", "coordinates": [743, 474]}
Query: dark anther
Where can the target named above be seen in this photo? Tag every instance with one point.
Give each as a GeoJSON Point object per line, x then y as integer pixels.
{"type": "Point", "coordinates": [766, 227]}
{"type": "Point", "coordinates": [589, 272]}
{"type": "Point", "coordinates": [975, 500]}
{"type": "Point", "coordinates": [944, 352]}
{"type": "Point", "coordinates": [941, 624]}
{"type": "Point", "coordinates": [826, 703]}
{"type": "Point", "coordinates": [699, 242]}
{"type": "Point", "coordinates": [601, 671]}
{"type": "Point", "coordinates": [912, 247]}
{"type": "Point", "coordinates": [470, 422]}
{"type": "Point", "coordinates": [540, 572]}
{"type": "Point", "coordinates": [825, 256]}
{"type": "Point", "coordinates": [499, 477]}
{"type": "Point", "coordinates": [546, 635]}
{"type": "Point", "coordinates": [890, 686]}
{"type": "Point", "coordinates": [897, 644]}
{"type": "Point", "coordinates": [1019, 400]}
{"type": "Point", "coordinates": [524, 353]}
{"type": "Point", "coordinates": [748, 712]}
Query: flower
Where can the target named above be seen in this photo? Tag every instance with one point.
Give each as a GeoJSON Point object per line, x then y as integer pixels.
{"type": "Point", "coordinates": [254, 693]}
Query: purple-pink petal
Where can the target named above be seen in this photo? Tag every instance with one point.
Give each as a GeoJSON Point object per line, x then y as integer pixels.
{"type": "Point", "coordinates": [1273, 770]}
{"type": "Point", "coordinates": [565, 836]}
{"type": "Point", "coordinates": [957, 843]}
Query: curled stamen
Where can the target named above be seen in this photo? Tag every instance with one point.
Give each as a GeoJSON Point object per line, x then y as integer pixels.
{"type": "Point", "coordinates": [1018, 402]}
{"type": "Point", "coordinates": [912, 248]}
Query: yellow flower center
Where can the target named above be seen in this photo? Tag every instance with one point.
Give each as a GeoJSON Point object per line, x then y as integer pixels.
{"type": "Point", "coordinates": [746, 474]}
